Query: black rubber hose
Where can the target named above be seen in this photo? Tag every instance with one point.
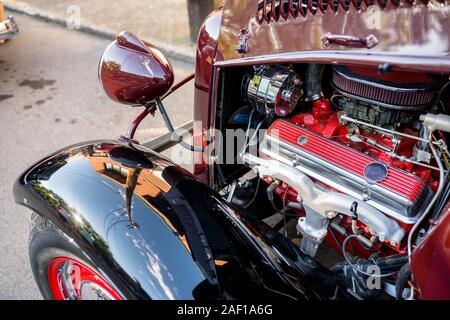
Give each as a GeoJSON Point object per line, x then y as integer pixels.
{"type": "Point", "coordinates": [313, 81]}
{"type": "Point", "coordinates": [270, 189]}
{"type": "Point", "coordinates": [404, 275]}
{"type": "Point", "coordinates": [392, 263]}
{"type": "Point", "coordinates": [386, 264]}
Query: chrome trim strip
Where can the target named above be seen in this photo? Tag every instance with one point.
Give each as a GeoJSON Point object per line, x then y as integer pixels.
{"type": "Point", "coordinates": [420, 63]}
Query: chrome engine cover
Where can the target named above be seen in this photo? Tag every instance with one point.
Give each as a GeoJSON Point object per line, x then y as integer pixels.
{"type": "Point", "coordinates": [400, 194]}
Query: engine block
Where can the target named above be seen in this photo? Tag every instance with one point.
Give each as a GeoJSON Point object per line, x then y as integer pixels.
{"type": "Point", "coordinates": [397, 193]}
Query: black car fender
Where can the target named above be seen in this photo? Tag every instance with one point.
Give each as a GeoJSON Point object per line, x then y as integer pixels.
{"type": "Point", "coordinates": [156, 232]}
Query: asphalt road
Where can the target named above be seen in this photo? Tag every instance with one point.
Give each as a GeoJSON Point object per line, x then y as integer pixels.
{"type": "Point", "coordinates": [113, 15]}
{"type": "Point", "coordinates": [50, 98]}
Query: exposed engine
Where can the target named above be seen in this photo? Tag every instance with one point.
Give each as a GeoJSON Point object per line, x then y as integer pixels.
{"type": "Point", "coordinates": [355, 164]}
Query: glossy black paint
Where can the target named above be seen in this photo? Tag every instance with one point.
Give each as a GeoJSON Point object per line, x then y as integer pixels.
{"type": "Point", "coordinates": [156, 232]}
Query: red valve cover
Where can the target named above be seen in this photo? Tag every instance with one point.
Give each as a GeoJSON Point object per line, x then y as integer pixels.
{"type": "Point", "coordinates": [342, 156]}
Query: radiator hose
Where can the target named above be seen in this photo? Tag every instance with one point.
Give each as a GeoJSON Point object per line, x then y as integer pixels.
{"type": "Point", "coordinates": [313, 83]}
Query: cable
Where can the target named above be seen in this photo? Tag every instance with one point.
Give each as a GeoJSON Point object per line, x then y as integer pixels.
{"type": "Point", "coordinates": [443, 106]}
{"type": "Point", "coordinates": [443, 151]}
{"type": "Point", "coordinates": [433, 200]}
{"type": "Point", "coordinates": [254, 196]}
{"type": "Point", "coordinates": [277, 292]}
{"type": "Point", "coordinates": [446, 193]}
{"type": "Point", "coordinates": [284, 209]}
{"type": "Point", "coordinates": [246, 134]}
{"type": "Point", "coordinates": [443, 199]}
{"type": "Point", "coordinates": [444, 87]}
{"type": "Point", "coordinates": [355, 267]}
{"type": "Point", "coordinates": [173, 132]}
{"type": "Point", "coordinates": [253, 136]}
{"type": "Point", "coordinates": [334, 237]}
{"type": "Point", "coordinates": [274, 206]}
{"type": "Point", "coordinates": [439, 96]}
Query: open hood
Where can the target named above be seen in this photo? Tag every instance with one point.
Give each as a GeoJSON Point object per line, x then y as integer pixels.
{"type": "Point", "coordinates": [257, 28]}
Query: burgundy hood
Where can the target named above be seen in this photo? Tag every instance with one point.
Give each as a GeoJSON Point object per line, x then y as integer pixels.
{"type": "Point", "coordinates": [277, 27]}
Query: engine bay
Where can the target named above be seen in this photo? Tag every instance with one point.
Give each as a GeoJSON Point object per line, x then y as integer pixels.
{"type": "Point", "coordinates": [353, 158]}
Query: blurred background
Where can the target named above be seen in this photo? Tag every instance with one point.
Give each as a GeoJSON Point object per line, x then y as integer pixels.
{"type": "Point", "coordinates": [50, 96]}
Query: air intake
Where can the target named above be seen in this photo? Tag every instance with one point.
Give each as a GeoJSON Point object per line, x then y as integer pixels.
{"type": "Point", "coordinates": [402, 90]}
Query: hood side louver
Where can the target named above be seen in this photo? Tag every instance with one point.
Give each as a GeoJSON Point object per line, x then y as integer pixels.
{"type": "Point", "coordinates": [274, 10]}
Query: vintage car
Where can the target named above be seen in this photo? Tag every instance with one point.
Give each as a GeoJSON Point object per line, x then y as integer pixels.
{"type": "Point", "coordinates": [318, 164]}
{"type": "Point", "coordinates": [8, 27]}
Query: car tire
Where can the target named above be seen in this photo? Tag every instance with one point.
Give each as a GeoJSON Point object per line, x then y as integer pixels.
{"type": "Point", "coordinates": [47, 245]}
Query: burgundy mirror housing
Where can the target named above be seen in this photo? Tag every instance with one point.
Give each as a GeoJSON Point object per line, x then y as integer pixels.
{"type": "Point", "coordinates": [133, 71]}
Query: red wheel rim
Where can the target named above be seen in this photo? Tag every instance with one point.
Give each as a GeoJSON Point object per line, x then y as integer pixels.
{"type": "Point", "coordinates": [70, 279]}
